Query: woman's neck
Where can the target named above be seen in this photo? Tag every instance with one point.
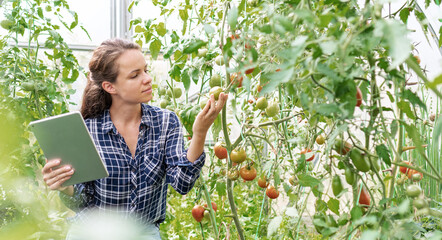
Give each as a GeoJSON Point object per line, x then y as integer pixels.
{"type": "Point", "coordinates": [125, 114]}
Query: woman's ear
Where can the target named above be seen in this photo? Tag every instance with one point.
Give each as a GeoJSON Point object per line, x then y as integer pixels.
{"type": "Point", "coordinates": [108, 87]}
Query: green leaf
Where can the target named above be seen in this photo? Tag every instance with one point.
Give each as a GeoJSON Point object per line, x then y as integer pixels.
{"type": "Point", "coordinates": [383, 153]}
{"type": "Point", "coordinates": [415, 137]}
{"type": "Point", "coordinates": [155, 48]}
{"type": "Point", "coordinates": [333, 205]}
{"type": "Point", "coordinates": [326, 109]}
{"type": "Point", "coordinates": [413, 98]}
{"type": "Point", "coordinates": [275, 79]}
{"type": "Point", "coordinates": [161, 29]}
{"type": "Point", "coordinates": [175, 72]}
{"type": "Point", "coordinates": [394, 33]}
{"type": "Point", "coordinates": [221, 188]}
{"type": "Point", "coordinates": [320, 205]}
{"type": "Point", "coordinates": [193, 46]}
{"type": "Point", "coordinates": [404, 14]}
{"type": "Point", "coordinates": [436, 81]}
{"type": "Point", "coordinates": [405, 107]}
{"type": "Point", "coordinates": [185, 79]}
{"type": "Point", "coordinates": [306, 180]}
{"type": "Point", "coordinates": [232, 17]}
{"type": "Point", "coordinates": [356, 213]}
{"type": "Point", "coordinates": [139, 29]}
{"type": "Point", "coordinates": [183, 14]}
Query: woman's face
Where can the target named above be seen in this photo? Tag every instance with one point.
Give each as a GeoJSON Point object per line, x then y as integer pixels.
{"type": "Point", "coordinates": [133, 84]}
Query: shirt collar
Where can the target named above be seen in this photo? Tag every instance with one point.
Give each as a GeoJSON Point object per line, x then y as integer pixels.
{"type": "Point", "coordinates": [108, 125]}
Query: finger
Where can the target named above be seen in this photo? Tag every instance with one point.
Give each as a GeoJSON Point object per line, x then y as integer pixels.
{"type": "Point", "coordinates": [221, 101]}
{"type": "Point", "coordinates": [50, 164]}
{"type": "Point", "coordinates": [58, 185]}
{"type": "Point", "coordinates": [212, 104]}
{"type": "Point", "coordinates": [55, 179]}
{"type": "Point", "coordinates": [52, 176]}
{"type": "Point", "coordinates": [206, 108]}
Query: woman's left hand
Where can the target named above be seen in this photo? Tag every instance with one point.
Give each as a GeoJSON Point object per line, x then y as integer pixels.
{"type": "Point", "coordinates": [208, 115]}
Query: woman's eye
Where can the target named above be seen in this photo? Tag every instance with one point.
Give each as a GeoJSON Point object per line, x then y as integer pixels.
{"type": "Point", "coordinates": [146, 71]}
{"type": "Point", "coordinates": [135, 76]}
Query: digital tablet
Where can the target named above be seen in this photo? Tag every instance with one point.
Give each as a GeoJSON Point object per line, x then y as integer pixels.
{"type": "Point", "coordinates": [66, 137]}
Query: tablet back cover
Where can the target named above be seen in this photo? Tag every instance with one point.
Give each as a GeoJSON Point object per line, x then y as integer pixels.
{"type": "Point", "coordinates": [66, 137]}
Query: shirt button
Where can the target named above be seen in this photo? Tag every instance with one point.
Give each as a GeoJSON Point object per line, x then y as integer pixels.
{"type": "Point", "coordinates": [133, 170]}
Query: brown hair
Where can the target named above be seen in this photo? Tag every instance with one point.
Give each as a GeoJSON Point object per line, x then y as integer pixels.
{"type": "Point", "coordinates": [103, 67]}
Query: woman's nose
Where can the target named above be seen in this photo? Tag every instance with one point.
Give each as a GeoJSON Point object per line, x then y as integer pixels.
{"type": "Point", "coordinates": [147, 78]}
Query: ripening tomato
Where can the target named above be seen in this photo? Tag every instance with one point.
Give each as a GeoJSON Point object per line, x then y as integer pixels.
{"type": "Point", "coordinates": [233, 174]}
{"type": "Point", "coordinates": [364, 197]}
{"type": "Point", "coordinates": [404, 170]}
{"type": "Point", "coordinates": [306, 151]}
{"type": "Point", "coordinates": [238, 156]}
{"type": "Point", "coordinates": [214, 207]}
{"type": "Point", "coordinates": [220, 151]}
{"type": "Point", "coordinates": [248, 173]}
{"type": "Point", "coordinates": [320, 140]}
{"type": "Point", "coordinates": [358, 97]}
{"type": "Point", "coordinates": [415, 175]}
{"type": "Point", "coordinates": [236, 78]}
{"type": "Point", "coordinates": [198, 213]}
{"type": "Point", "coordinates": [272, 192]}
{"type": "Point", "coordinates": [262, 182]}
{"type": "Point", "coordinates": [259, 88]}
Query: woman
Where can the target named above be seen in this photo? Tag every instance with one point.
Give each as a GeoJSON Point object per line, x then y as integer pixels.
{"type": "Point", "coordinates": [142, 145]}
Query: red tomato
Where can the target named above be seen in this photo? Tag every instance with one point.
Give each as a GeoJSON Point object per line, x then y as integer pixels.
{"type": "Point", "coordinates": [262, 183]}
{"type": "Point", "coordinates": [404, 170]}
{"type": "Point", "coordinates": [213, 206]}
{"type": "Point", "coordinates": [198, 213]}
{"type": "Point", "coordinates": [272, 192]}
{"type": "Point", "coordinates": [306, 151]}
{"type": "Point", "coordinates": [358, 97]}
{"type": "Point", "coordinates": [220, 151]}
{"type": "Point", "coordinates": [364, 197]}
{"type": "Point", "coordinates": [247, 173]}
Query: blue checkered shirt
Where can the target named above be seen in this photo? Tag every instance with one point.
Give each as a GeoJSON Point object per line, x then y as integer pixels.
{"type": "Point", "coordinates": [137, 186]}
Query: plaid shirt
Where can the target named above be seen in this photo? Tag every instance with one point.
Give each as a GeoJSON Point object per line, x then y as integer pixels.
{"type": "Point", "coordinates": [137, 186]}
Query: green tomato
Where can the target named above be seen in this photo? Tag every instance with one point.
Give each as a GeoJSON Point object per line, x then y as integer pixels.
{"type": "Point", "coordinates": [216, 91]}
{"type": "Point", "coordinates": [262, 103]}
{"type": "Point", "coordinates": [28, 86]}
{"type": "Point", "coordinates": [203, 103]}
{"type": "Point", "coordinates": [359, 160]}
{"type": "Point", "coordinates": [215, 81]}
{"type": "Point", "coordinates": [177, 92]}
{"type": "Point", "coordinates": [337, 185]}
{"type": "Point", "coordinates": [413, 190]}
{"type": "Point", "coordinates": [169, 93]}
{"type": "Point", "coordinates": [161, 91]}
{"type": "Point", "coordinates": [219, 60]}
{"type": "Point", "coordinates": [349, 176]}
{"type": "Point", "coordinates": [164, 103]}
{"type": "Point", "coordinates": [202, 52]}
{"type": "Point", "coordinates": [420, 203]}
{"type": "Point", "coordinates": [6, 24]}
{"type": "Point", "coordinates": [273, 109]}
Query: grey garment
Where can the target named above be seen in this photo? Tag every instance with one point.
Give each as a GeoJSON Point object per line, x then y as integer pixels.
{"type": "Point", "coordinates": [111, 226]}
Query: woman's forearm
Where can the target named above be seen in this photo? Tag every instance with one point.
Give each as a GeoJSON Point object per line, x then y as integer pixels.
{"type": "Point", "coordinates": [196, 147]}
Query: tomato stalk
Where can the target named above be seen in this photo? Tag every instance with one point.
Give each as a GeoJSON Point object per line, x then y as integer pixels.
{"type": "Point", "coordinates": [209, 205]}
{"type": "Point", "coordinates": [226, 136]}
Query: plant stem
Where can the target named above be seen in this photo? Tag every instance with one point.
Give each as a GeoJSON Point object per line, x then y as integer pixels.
{"type": "Point", "coordinates": [209, 205]}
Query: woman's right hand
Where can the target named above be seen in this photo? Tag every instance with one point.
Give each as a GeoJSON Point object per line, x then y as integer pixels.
{"type": "Point", "coordinates": [55, 176]}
